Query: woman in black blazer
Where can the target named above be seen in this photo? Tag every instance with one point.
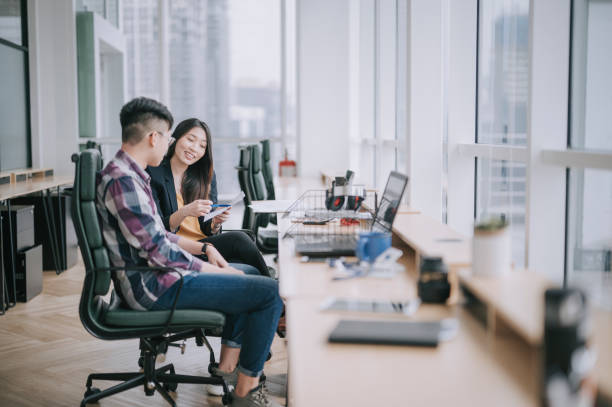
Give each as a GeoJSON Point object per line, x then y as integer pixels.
{"type": "Point", "coordinates": [188, 169]}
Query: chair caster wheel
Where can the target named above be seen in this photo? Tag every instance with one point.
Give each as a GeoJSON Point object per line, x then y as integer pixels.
{"type": "Point", "coordinates": [141, 362]}
{"type": "Point", "coordinates": [91, 391]}
{"type": "Point", "coordinates": [170, 386]}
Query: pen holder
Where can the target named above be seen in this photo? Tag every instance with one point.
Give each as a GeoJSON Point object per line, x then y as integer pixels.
{"type": "Point", "coordinates": [433, 285]}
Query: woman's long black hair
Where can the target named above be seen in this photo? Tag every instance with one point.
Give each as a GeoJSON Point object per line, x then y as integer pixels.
{"type": "Point", "coordinates": [198, 176]}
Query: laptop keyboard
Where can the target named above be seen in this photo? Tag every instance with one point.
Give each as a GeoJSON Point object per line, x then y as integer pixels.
{"type": "Point", "coordinates": [326, 242]}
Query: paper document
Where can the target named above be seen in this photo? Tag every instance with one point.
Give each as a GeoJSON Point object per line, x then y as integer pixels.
{"type": "Point", "coordinates": [280, 205]}
{"type": "Point", "coordinates": [222, 209]}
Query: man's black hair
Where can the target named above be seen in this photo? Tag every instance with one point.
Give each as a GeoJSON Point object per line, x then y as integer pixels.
{"type": "Point", "coordinates": [136, 114]}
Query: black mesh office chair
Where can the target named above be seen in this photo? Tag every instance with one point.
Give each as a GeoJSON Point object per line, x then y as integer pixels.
{"type": "Point", "coordinates": [268, 175]}
{"type": "Point", "coordinates": [267, 239]}
{"type": "Point", "coordinates": [109, 321]}
{"type": "Point", "coordinates": [266, 169]}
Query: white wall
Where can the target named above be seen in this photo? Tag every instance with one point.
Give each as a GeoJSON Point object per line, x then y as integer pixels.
{"type": "Point", "coordinates": [53, 83]}
{"type": "Point", "coordinates": [425, 107]}
{"type": "Point", "coordinates": [323, 85]}
{"type": "Point", "coordinates": [547, 129]}
{"type": "Point", "coordinates": [461, 113]}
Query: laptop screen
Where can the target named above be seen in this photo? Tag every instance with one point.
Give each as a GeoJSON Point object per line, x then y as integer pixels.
{"type": "Point", "coordinates": [390, 201]}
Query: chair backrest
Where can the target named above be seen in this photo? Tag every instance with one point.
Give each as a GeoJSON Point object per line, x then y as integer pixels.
{"type": "Point", "coordinates": [89, 234]}
{"type": "Point", "coordinates": [245, 186]}
{"type": "Point", "coordinates": [266, 168]}
{"type": "Point", "coordinates": [256, 175]}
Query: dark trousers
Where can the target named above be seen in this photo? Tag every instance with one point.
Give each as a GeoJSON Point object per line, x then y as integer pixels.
{"type": "Point", "coordinates": [238, 247]}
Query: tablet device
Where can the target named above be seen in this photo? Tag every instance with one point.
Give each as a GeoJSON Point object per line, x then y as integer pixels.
{"type": "Point", "coordinates": [387, 332]}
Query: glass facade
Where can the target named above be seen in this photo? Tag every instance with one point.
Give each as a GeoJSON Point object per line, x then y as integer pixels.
{"type": "Point", "coordinates": [502, 95]}
{"type": "Point", "coordinates": [14, 97]}
{"type": "Point", "coordinates": [503, 82]}
{"type": "Point", "coordinates": [225, 61]}
{"type": "Point", "coordinates": [500, 193]}
{"type": "Point", "coordinates": [589, 223]}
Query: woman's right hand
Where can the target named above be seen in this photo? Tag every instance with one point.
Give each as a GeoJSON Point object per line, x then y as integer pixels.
{"type": "Point", "coordinates": [197, 208]}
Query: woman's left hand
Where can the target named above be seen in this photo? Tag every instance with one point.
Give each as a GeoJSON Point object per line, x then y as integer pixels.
{"type": "Point", "coordinates": [219, 219]}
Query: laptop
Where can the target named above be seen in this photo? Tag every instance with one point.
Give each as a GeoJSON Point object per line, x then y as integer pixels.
{"type": "Point", "coordinates": [321, 245]}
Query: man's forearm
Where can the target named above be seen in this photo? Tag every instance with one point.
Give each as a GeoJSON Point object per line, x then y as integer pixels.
{"type": "Point", "coordinates": [190, 246]}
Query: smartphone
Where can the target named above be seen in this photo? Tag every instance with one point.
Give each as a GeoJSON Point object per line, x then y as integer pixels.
{"type": "Point", "coordinates": [220, 205]}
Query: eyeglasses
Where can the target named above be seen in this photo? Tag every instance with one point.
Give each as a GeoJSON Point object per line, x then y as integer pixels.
{"type": "Point", "coordinates": [170, 139]}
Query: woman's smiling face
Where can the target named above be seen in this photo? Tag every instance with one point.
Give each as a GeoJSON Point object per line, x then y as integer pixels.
{"type": "Point", "coordinates": [191, 147]}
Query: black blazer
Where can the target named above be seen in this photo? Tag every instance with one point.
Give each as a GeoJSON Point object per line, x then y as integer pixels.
{"type": "Point", "coordinates": [164, 193]}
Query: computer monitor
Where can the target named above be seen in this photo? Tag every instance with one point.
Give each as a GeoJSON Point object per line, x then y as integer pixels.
{"type": "Point", "coordinates": [390, 201]}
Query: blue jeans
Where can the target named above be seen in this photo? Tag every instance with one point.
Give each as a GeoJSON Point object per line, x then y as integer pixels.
{"type": "Point", "coordinates": [251, 304]}
{"type": "Point", "coordinates": [247, 268]}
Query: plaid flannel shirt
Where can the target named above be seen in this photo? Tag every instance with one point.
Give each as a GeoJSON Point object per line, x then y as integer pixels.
{"type": "Point", "coordinates": [135, 235]}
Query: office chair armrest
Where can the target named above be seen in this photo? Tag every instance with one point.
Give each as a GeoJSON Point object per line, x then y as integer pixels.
{"type": "Point", "coordinates": [150, 269]}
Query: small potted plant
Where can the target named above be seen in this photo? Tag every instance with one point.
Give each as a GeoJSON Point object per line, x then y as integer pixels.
{"type": "Point", "coordinates": [491, 247]}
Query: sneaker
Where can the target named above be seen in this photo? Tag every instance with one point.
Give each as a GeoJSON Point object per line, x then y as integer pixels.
{"type": "Point", "coordinates": [258, 397]}
{"type": "Point", "coordinates": [230, 379]}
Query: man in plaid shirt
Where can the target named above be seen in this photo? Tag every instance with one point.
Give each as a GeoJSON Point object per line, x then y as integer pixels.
{"type": "Point", "coordinates": [135, 236]}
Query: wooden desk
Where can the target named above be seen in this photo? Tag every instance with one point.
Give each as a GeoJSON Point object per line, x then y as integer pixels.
{"type": "Point", "coordinates": [473, 369]}
{"type": "Point", "coordinates": [466, 371]}
{"type": "Point", "coordinates": [429, 237]}
{"type": "Point", "coordinates": [516, 298]}
{"type": "Point", "coordinates": [31, 186]}
{"type": "Point", "coordinates": [10, 191]}
{"type": "Point", "coordinates": [492, 363]}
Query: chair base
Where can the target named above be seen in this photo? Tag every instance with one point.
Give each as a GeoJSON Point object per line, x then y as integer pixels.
{"type": "Point", "coordinates": [163, 379]}
{"type": "Point", "coordinates": [161, 382]}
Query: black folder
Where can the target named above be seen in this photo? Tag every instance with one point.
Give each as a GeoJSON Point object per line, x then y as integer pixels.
{"type": "Point", "coordinates": [387, 332]}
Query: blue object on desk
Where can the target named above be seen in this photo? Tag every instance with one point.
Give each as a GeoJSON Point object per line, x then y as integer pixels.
{"type": "Point", "coordinates": [371, 245]}
{"type": "Point", "coordinates": [220, 205]}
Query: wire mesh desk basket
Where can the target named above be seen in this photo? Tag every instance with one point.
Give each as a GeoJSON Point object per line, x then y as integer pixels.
{"type": "Point", "coordinates": [316, 213]}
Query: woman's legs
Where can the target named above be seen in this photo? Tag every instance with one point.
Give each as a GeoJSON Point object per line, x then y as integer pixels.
{"type": "Point", "coordinates": [252, 306]}
{"type": "Point", "coordinates": [238, 247]}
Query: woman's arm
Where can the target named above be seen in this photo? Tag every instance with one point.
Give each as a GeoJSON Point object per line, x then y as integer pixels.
{"type": "Point", "coordinates": [208, 227]}
{"type": "Point", "coordinates": [197, 208]}
{"type": "Point", "coordinates": [176, 219]}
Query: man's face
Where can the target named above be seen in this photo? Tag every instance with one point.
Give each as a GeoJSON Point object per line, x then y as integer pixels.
{"type": "Point", "coordinates": [162, 140]}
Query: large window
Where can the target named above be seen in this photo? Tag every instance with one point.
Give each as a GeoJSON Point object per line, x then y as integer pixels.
{"type": "Point", "coordinates": [227, 62]}
{"type": "Point", "coordinates": [589, 229]}
{"type": "Point", "coordinates": [14, 97]}
{"type": "Point", "coordinates": [379, 93]}
{"type": "Point", "coordinates": [502, 95]}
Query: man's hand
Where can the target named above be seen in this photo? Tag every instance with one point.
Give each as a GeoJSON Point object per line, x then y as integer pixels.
{"type": "Point", "coordinates": [214, 257]}
{"type": "Point", "coordinates": [197, 208]}
{"type": "Point", "coordinates": [232, 270]}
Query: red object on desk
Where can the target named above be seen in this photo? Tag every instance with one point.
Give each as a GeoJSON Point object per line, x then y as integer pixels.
{"type": "Point", "coordinates": [287, 168]}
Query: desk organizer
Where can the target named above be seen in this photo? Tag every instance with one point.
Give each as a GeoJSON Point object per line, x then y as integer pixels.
{"type": "Point", "coordinates": [310, 216]}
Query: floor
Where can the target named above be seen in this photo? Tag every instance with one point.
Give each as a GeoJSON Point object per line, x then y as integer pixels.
{"type": "Point", "coordinates": [46, 355]}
